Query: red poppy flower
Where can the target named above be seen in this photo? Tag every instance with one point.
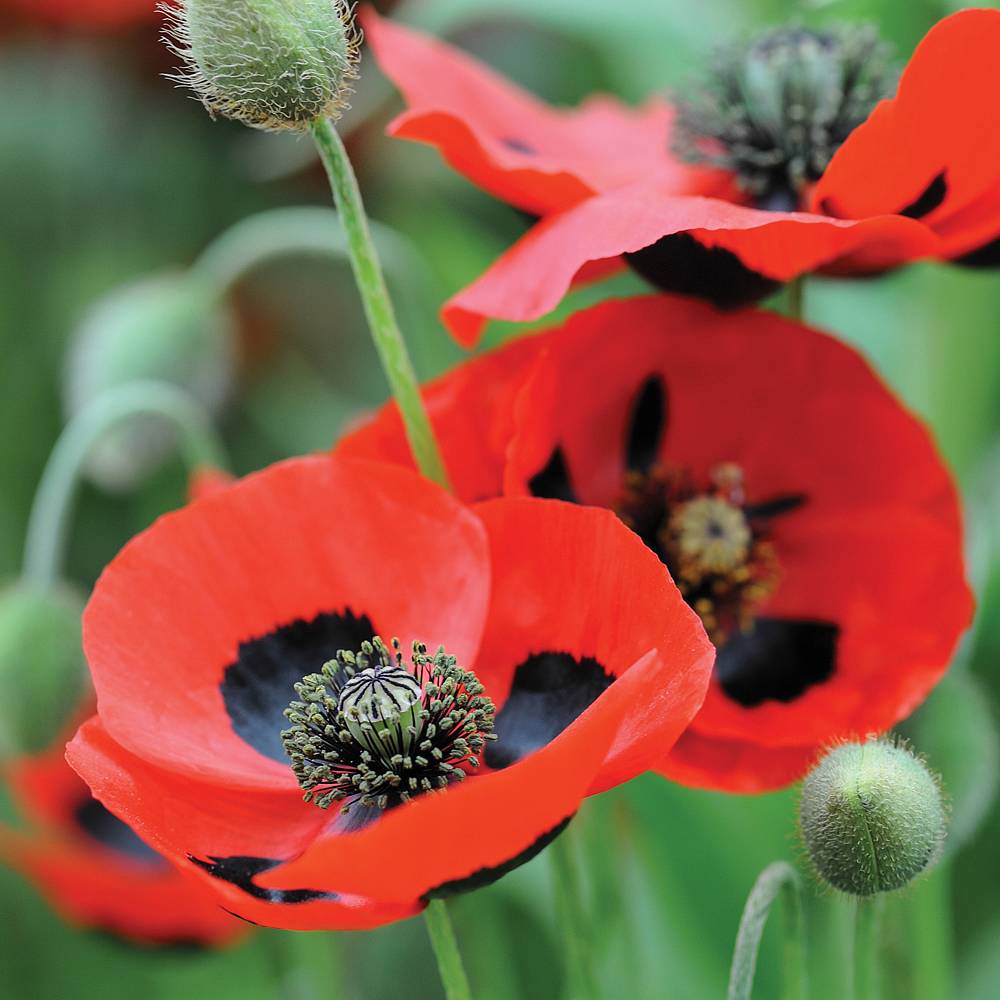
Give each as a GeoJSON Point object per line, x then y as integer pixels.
{"type": "Point", "coordinates": [914, 180]}
{"type": "Point", "coordinates": [199, 629]}
{"type": "Point", "coordinates": [95, 869]}
{"type": "Point", "coordinates": [803, 512]}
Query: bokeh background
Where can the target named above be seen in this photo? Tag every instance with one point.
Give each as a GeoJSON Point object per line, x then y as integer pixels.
{"type": "Point", "coordinates": [109, 175]}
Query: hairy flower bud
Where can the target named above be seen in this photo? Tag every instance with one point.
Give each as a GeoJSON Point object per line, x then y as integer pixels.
{"type": "Point", "coordinates": [872, 817]}
{"type": "Point", "coordinates": [168, 328]}
{"type": "Point", "coordinates": [270, 64]}
{"type": "Point", "coordinates": [42, 672]}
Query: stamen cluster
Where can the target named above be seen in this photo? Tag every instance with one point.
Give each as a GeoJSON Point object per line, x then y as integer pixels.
{"type": "Point", "coordinates": [369, 731]}
{"type": "Point", "coordinates": [774, 112]}
{"type": "Point", "coordinates": [722, 563]}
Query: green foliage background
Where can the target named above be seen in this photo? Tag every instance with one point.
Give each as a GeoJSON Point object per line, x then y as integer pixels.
{"type": "Point", "coordinates": [107, 173]}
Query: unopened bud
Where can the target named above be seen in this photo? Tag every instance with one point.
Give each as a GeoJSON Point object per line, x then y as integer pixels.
{"type": "Point", "coordinates": [270, 64]}
{"type": "Point", "coordinates": [167, 328]}
{"type": "Point", "coordinates": [872, 817]}
{"type": "Point", "coordinates": [42, 673]}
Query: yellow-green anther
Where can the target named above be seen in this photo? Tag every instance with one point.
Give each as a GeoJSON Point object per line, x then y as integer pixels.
{"type": "Point", "coordinates": [271, 64]}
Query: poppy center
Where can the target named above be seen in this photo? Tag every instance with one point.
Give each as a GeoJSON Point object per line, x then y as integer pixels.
{"type": "Point", "coordinates": [370, 732]}
{"type": "Point", "coordinates": [774, 111]}
{"type": "Point", "coordinates": [717, 551]}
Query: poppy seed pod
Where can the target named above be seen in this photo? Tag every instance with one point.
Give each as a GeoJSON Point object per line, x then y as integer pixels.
{"type": "Point", "coordinates": [267, 63]}
{"type": "Point", "coordinates": [164, 327]}
{"type": "Point", "coordinates": [41, 665]}
{"type": "Point", "coordinates": [872, 817]}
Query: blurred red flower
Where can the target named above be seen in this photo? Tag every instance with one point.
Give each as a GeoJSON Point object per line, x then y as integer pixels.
{"type": "Point", "coordinates": [919, 178]}
{"type": "Point", "coordinates": [91, 15]}
{"type": "Point", "coordinates": [198, 630]}
{"type": "Point", "coordinates": [96, 871]}
{"type": "Point", "coordinates": [802, 510]}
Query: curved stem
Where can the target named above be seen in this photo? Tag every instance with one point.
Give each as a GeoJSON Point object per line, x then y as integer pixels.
{"type": "Point", "coordinates": [50, 513]}
{"type": "Point", "coordinates": [449, 959]}
{"type": "Point", "coordinates": [378, 306]}
{"type": "Point", "coordinates": [306, 230]}
{"type": "Point", "coordinates": [572, 918]}
{"type": "Point", "coordinates": [867, 935]}
{"type": "Point", "coordinates": [777, 879]}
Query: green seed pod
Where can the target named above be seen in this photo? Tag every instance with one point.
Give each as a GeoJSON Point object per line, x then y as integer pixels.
{"type": "Point", "coordinates": [872, 817]}
{"type": "Point", "coordinates": [270, 64]}
{"type": "Point", "coordinates": [42, 672]}
{"type": "Point", "coordinates": [166, 328]}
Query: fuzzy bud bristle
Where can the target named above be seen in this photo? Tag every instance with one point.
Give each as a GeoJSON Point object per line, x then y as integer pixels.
{"type": "Point", "coordinates": [270, 64]}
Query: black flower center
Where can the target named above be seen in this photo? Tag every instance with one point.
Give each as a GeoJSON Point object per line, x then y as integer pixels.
{"type": "Point", "coordinates": [371, 733]}
{"type": "Point", "coordinates": [775, 111]}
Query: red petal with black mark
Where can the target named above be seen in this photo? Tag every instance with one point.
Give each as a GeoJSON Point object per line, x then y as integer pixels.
{"type": "Point", "coordinates": [532, 277]}
{"type": "Point", "coordinates": [933, 150]}
{"type": "Point", "coordinates": [170, 613]}
{"type": "Point", "coordinates": [572, 580]}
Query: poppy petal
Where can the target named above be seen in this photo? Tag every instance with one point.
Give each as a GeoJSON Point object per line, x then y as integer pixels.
{"type": "Point", "coordinates": [578, 601]}
{"type": "Point", "coordinates": [455, 834]}
{"type": "Point", "coordinates": [197, 825]}
{"type": "Point", "coordinates": [531, 278]}
{"type": "Point", "coordinates": [484, 391]}
{"type": "Point", "coordinates": [205, 613]}
{"type": "Point", "coordinates": [892, 582]}
{"type": "Point", "coordinates": [737, 766]}
{"type": "Point", "coordinates": [933, 150]}
{"type": "Point", "coordinates": [143, 904]}
{"type": "Point", "coordinates": [538, 158]}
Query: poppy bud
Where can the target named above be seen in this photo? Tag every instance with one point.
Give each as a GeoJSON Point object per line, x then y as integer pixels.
{"type": "Point", "coordinates": [166, 328]}
{"type": "Point", "coordinates": [41, 665]}
{"type": "Point", "coordinates": [872, 817]}
{"type": "Point", "coordinates": [270, 64]}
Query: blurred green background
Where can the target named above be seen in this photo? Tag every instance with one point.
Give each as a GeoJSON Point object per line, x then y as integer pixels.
{"type": "Point", "coordinates": [109, 174]}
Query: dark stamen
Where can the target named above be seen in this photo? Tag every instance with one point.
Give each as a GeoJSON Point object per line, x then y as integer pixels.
{"type": "Point", "coordinates": [775, 111]}
{"type": "Point", "coordinates": [370, 732]}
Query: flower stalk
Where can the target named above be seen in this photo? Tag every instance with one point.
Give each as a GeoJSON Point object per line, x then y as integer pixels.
{"type": "Point", "coordinates": [449, 959]}
{"type": "Point", "coordinates": [778, 879]}
{"type": "Point", "coordinates": [867, 947]}
{"type": "Point", "coordinates": [377, 305]}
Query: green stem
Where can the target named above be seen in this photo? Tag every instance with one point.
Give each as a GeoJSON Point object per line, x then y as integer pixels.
{"type": "Point", "coordinates": [571, 914]}
{"type": "Point", "coordinates": [928, 917]}
{"type": "Point", "coordinates": [777, 879]}
{"type": "Point", "coordinates": [449, 959]}
{"type": "Point", "coordinates": [48, 524]}
{"type": "Point", "coordinates": [867, 937]}
{"type": "Point", "coordinates": [378, 307]}
{"type": "Point", "coordinates": [796, 298]}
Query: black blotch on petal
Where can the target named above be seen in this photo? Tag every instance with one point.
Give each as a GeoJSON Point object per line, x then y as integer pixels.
{"type": "Point", "coordinates": [487, 876]}
{"type": "Point", "coordinates": [779, 659]}
{"type": "Point", "coordinates": [240, 871]}
{"type": "Point", "coordinates": [550, 690]}
{"type": "Point", "coordinates": [764, 510]}
{"type": "Point", "coordinates": [109, 831]}
{"type": "Point", "coordinates": [553, 481]}
{"type": "Point", "coordinates": [259, 685]}
{"type": "Point", "coordinates": [988, 255]}
{"type": "Point", "coordinates": [646, 426]}
{"type": "Point", "coordinates": [933, 195]}
{"type": "Point", "coordinates": [679, 263]}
